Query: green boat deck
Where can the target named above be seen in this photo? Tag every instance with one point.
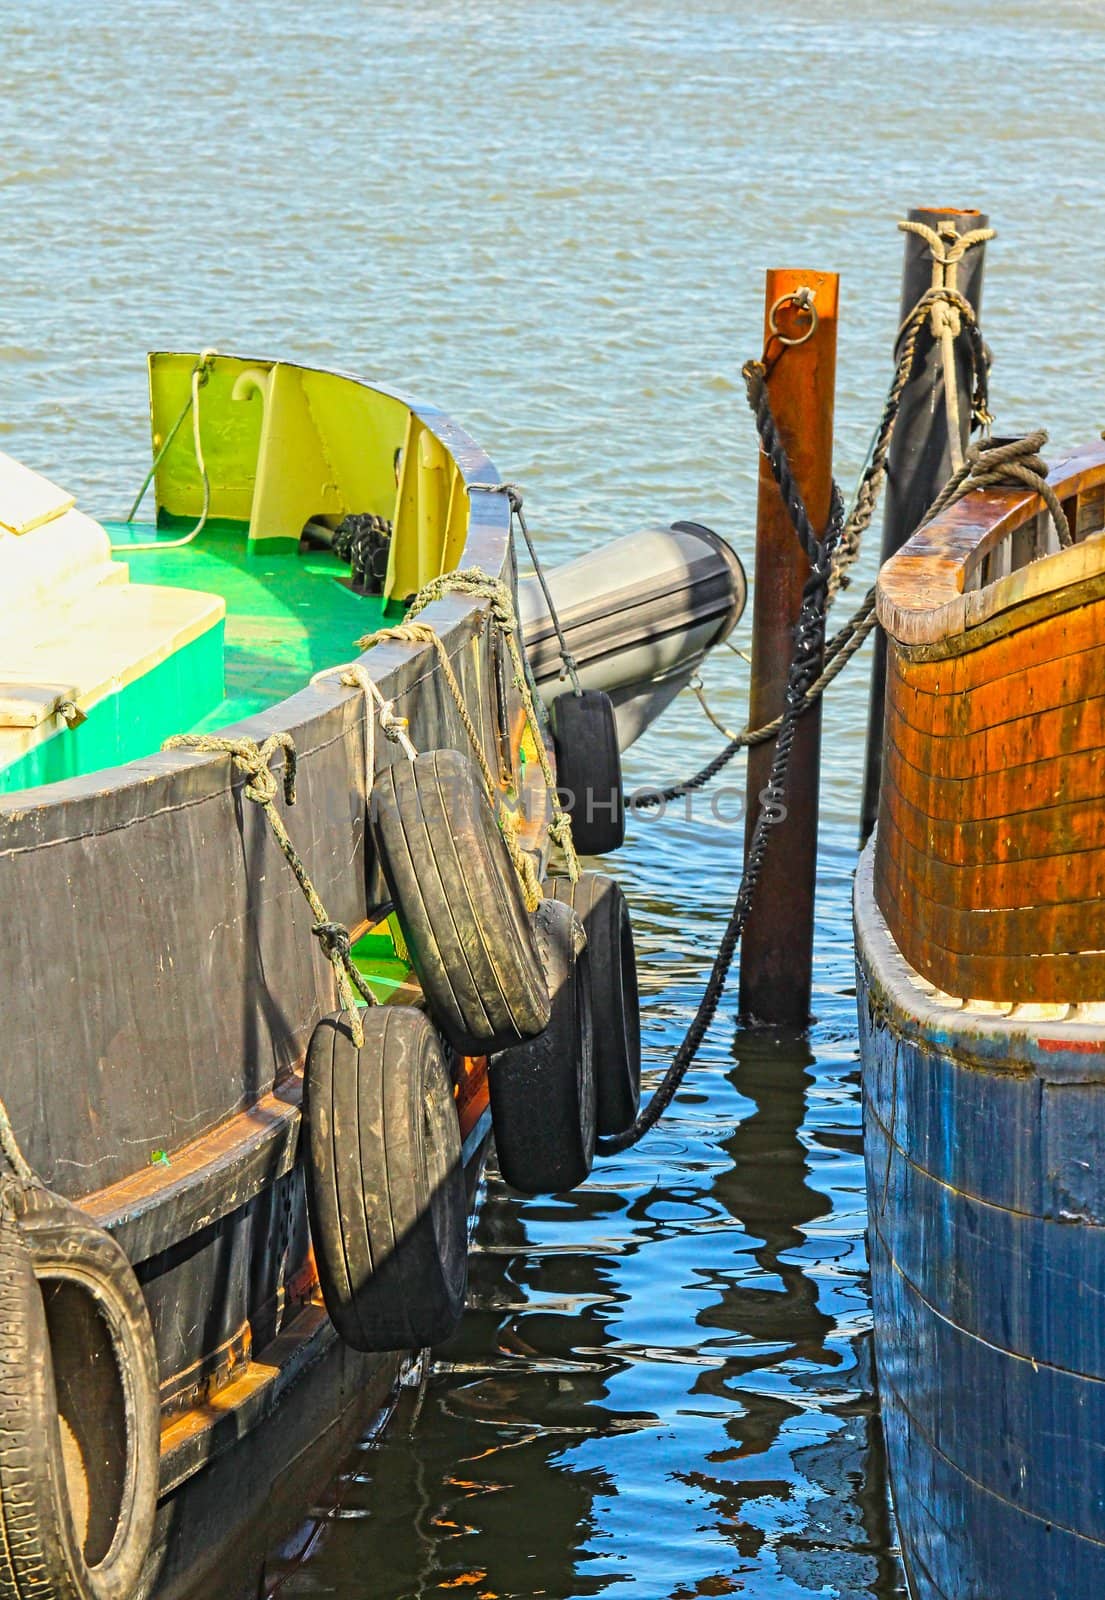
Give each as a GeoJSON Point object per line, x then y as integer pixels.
{"type": "Point", "coordinates": [288, 615]}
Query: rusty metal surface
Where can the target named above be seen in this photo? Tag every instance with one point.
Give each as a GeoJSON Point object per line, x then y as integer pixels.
{"type": "Point", "coordinates": [777, 952]}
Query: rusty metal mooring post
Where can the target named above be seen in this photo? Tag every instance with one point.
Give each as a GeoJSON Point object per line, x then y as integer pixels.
{"type": "Point", "coordinates": [777, 951]}
{"type": "Point", "coordinates": [919, 463]}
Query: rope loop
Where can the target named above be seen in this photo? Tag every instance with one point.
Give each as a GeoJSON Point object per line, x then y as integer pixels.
{"type": "Point", "coordinates": [998, 463]}
{"type": "Point", "coordinates": [352, 675]}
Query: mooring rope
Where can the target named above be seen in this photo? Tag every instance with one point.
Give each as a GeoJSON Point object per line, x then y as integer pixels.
{"type": "Point", "coordinates": [874, 473]}
{"type": "Point", "coordinates": [473, 581]}
{"type": "Point", "coordinates": [200, 374]}
{"type": "Point", "coordinates": [809, 635]}
{"type": "Point", "coordinates": [514, 499]}
{"type": "Point", "coordinates": [849, 639]}
{"type": "Point", "coordinates": [840, 649]}
{"type": "Point", "coordinates": [255, 761]}
{"type": "Point", "coordinates": [1001, 464]}
{"type": "Point", "coordinates": [947, 247]}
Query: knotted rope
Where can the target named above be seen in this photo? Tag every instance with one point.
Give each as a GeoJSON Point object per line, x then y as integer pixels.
{"type": "Point", "coordinates": [353, 676]}
{"type": "Point", "coordinates": [950, 315]}
{"type": "Point", "coordinates": [255, 761]}
{"type": "Point", "coordinates": [996, 464]}
{"type": "Point", "coordinates": [947, 248]}
{"type": "Point", "coordinates": [473, 581]}
{"type": "Point", "coordinates": [809, 630]}
{"type": "Point", "coordinates": [942, 301]}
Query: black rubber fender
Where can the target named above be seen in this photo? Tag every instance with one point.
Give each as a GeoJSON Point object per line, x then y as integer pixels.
{"type": "Point", "coordinates": [79, 1406]}
{"type": "Point", "coordinates": [615, 1005]}
{"type": "Point", "coordinates": [459, 903]}
{"type": "Point", "coordinates": [589, 770]}
{"type": "Point", "coordinates": [543, 1091]}
{"type": "Point", "coordinates": [386, 1195]}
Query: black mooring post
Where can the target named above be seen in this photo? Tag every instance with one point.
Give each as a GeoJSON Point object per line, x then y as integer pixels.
{"type": "Point", "coordinates": [919, 462]}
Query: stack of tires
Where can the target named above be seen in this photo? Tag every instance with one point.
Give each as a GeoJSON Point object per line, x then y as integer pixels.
{"type": "Point", "coordinates": [550, 998]}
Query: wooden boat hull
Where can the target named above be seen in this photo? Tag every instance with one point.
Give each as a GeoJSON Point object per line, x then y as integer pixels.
{"type": "Point", "coordinates": [986, 1196]}
{"type": "Point", "coordinates": [981, 991]}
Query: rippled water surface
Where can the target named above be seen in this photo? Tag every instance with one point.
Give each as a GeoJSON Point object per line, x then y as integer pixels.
{"type": "Point", "coordinates": [552, 220]}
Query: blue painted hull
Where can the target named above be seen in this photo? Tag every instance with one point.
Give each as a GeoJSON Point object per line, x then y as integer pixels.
{"type": "Point", "coordinates": [985, 1155]}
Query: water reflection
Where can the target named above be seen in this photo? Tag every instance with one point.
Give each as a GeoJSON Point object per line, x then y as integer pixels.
{"type": "Point", "coordinates": [838, 1537]}
{"type": "Point", "coordinates": [662, 1385]}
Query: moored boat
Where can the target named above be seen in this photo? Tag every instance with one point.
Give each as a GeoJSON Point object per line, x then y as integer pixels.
{"type": "Point", "coordinates": [981, 971]}
{"type": "Point", "coordinates": [273, 841]}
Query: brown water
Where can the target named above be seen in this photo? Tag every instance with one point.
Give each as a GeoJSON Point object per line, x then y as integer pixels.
{"type": "Point", "coordinates": [552, 220]}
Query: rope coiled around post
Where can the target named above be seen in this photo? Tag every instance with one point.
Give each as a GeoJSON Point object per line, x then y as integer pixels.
{"type": "Point", "coordinates": [997, 464]}
{"type": "Point", "coordinates": [809, 634]}
{"type": "Point", "coordinates": [947, 247]}
{"type": "Point", "coordinates": [262, 787]}
{"type": "Point", "coordinates": [849, 639]}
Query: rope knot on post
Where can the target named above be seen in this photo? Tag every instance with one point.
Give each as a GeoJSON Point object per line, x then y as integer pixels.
{"type": "Point", "coordinates": [948, 311]}
{"type": "Point", "coordinates": [998, 463]}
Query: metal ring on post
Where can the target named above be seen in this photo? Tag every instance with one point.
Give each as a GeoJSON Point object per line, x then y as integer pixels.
{"type": "Point", "coordinates": [802, 300]}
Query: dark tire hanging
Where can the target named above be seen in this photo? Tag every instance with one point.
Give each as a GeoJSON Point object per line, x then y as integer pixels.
{"type": "Point", "coordinates": [458, 902]}
{"type": "Point", "coordinates": [385, 1184]}
{"type": "Point", "coordinates": [589, 769]}
{"type": "Point", "coordinates": [79, 1407]}
{"type": "Point", "coordinates": [543, 1091]}
{"type": "Point", "coordinates": [615, 1008]}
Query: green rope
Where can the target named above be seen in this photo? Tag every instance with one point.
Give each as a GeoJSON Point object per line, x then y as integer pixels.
{"type": "Point", "coordinates": [255, 762]}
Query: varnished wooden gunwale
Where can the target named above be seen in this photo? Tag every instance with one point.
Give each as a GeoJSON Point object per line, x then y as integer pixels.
{"type": "Point", "coordinates": [990, 857]}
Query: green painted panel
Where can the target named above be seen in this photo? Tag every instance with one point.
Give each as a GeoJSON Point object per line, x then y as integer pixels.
{"type": "Point", "coordinates": [170, 698]}
{"type": "Point", "coordinates": [288, 615]}
{"type": "Point", "coordinates": [379, 961]}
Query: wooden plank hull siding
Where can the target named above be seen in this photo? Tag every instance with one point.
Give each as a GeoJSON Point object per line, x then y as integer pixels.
{"type": "Point", "coordinates": [990, 852]}
{"type": "Point", "coordinates": [159, 990]}
{"type": "Point", "coordinates": [986, 1208]}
